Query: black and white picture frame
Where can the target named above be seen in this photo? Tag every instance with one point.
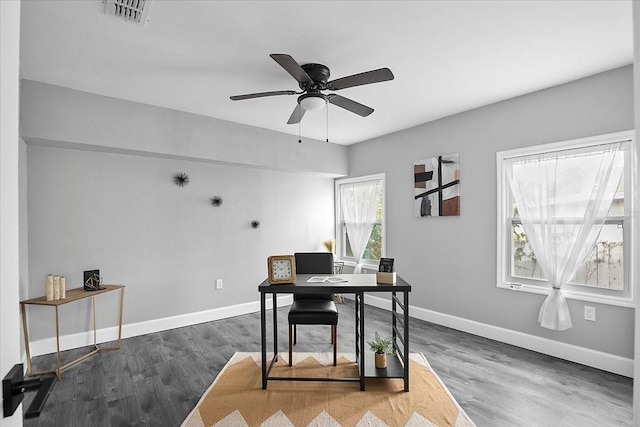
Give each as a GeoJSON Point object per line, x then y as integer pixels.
{"type": "Point", "coordinates": [437, 186]}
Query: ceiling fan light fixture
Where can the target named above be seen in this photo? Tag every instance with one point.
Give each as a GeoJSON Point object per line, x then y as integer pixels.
{"type": "Point", "coordinates": [312, 101]}
{"type": "Point", "coordinates": [313, 79]}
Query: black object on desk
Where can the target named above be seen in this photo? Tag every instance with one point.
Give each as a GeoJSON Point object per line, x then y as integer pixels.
{"type": "Point", "coordinates": [386, 265]}
{"type": "Point", "coordinates": [357, 284]}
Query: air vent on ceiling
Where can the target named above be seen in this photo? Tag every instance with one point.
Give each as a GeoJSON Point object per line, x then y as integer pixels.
{"type": "Point", "coordinates": [129, 10]}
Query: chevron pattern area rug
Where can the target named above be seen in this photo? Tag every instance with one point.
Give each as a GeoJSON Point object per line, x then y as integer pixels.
{"type": "Point", "coordinates": [236, 398]}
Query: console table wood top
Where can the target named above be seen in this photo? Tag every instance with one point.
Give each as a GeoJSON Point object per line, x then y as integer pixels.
{"type": "Point", "coordinates": [71, 296]}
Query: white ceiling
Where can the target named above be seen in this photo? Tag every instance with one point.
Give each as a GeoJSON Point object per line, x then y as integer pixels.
{"type": "Point", "coordinates": [447, 56]}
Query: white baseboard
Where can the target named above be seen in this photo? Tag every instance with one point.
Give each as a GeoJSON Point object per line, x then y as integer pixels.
{"type": "Point", "coordinates": [584, 356]}
{"type": "Point", "coordinates": [597, 359]}
{"type": "Point", "coordinates": [105, 335]}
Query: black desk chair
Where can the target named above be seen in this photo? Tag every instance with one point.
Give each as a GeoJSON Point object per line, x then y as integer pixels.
{"type": "Point", "coordinates": [313, 309]}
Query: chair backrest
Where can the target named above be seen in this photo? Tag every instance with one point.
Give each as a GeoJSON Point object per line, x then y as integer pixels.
{"type": "Point", "coordinates": [314, 263]}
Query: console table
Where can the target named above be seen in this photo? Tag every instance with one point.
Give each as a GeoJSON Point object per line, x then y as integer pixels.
{"type": "Point", "coordinates": [72, 295]}
{"type": "Point", "coordinates": [357, 284]}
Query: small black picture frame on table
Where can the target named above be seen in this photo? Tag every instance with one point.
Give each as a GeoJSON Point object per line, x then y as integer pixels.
{"type": "Point", "coordinates": [92, 280]}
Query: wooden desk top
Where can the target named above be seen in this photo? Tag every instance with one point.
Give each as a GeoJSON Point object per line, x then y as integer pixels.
{"type": "Point", "coordinates": [72, 295]}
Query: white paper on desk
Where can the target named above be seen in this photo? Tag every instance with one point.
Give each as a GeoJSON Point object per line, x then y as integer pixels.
{"type": "Point", "coordinates": [322, 279]}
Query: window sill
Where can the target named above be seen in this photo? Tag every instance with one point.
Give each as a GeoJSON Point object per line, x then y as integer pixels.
{"type": "Point", "coordinates": [573, 295]}
{"type": "Point", "coordinates": [365, 265]}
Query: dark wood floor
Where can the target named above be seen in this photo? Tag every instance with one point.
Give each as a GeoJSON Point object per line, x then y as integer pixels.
{"type": "Point", "coordinates": [157, 379]}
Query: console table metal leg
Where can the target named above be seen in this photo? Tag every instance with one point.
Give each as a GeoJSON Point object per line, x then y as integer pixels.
{"type": "Point", "coordinates": [95, 325]}
{"type": "Point", "coordinates": [120, 318]}
{"type": "Point", "coordinates": [95, 330]}
{"type": "Point", "coordinates": [58, 369]}
{"type": "Point", "coordinates": [25, 331]}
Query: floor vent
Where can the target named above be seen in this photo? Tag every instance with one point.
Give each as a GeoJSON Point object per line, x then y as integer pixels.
{"type": "Point", "coordinates": [129, 10]}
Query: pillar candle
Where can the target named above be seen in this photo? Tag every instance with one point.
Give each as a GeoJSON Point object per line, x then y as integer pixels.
{"type": "Point", "coordinates": [56, 287]}
{"type": "Point", "coordinates": [49, 287]}
{"type": "Point", "coordinates": [63, 287]}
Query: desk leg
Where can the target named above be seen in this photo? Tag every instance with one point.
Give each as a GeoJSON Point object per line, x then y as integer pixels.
{"type": "Point", "coordinates": [275, 326]}
{"type": "Point", "coordinates": [356, 317]}
{"type": "Point", "coordinates": [406, 341]}
{"type": "Point", "coordinates": [360, 297]}
{"type": "Point", "coordinates": [394, 310]}
{"type": "Point", "coordinates": [263, 339]}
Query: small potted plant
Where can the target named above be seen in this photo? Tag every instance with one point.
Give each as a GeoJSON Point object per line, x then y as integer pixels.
{"type": "Point", "coordinates": [381, 347]}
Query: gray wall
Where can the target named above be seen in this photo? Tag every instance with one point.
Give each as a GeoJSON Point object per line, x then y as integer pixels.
{"type": "Point", "coordinates": [451, 262]}
{"type": "Point", "coordinates": [100, 194]}
{"type": "Point", "coordinates": [86, 121]}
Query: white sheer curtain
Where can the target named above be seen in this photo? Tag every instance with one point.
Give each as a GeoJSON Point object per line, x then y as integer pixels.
{"type": "Point", "coordinates": [562, 199]}
{"type": "Point", "coordinates": [359, 207]}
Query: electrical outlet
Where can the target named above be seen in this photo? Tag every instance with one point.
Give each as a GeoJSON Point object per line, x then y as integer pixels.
{"type": "Point", "coordinates": [218, 283]}
{"type": "Point", "coordinates": [589, 313]}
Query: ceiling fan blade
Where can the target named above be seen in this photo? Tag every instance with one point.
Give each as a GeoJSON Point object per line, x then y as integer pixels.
{"type": "Point", "coordinates": [368, 77]}
{"type": "Point", "coordinates": [261, 94]}
{"type": "Point", "coordinates": [349, 104]}
{"type": "Point", "coordinates": [292, 67]}
{"type": "Point", "coordinates": [297, 115]}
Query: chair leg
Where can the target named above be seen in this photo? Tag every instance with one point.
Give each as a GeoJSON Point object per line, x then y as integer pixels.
{"type": "Point", "coordinates": [295, 334]}
{"type": "Point", "coordinates": [334, 340]}
{"type": "Point", "coordinates": [290, 346]}
{"type": "Point", "coordinates": [293, 339]}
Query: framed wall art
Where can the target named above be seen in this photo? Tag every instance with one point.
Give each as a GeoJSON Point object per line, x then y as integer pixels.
{"type": "Point", "coordinates": [437, 186]}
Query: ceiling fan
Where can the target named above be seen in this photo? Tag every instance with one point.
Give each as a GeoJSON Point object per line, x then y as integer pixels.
{"type": "Point", "coordinates": [313, 79]}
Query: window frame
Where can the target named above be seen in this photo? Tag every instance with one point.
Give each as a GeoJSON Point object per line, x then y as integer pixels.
{"type": "Point", "coordinates": [504, 278]}
{"type": "Point", "coordinates": [341, 236]}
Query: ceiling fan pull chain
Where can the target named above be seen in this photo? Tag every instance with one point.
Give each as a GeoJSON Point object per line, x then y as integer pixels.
{"type": "Point", "coordinates": [299, 120]}
{"type": "Point", "coordinates": [327, 122]}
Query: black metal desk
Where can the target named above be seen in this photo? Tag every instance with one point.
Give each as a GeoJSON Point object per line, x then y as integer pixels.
{"type": "Point", "coordinates": [358, 284]}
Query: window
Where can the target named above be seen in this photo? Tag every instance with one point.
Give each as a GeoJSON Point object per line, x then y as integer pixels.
{"type": "Point", "coordinates": [606, 275]}
{"type": "Point", "coordinates": [360, 220]}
